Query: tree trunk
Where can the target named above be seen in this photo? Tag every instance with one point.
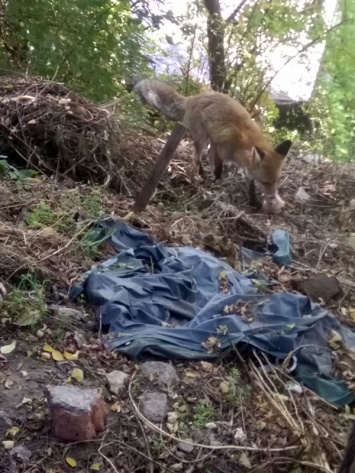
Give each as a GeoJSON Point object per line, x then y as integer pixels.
{"type": "Point", "coordinates": [216, 53]}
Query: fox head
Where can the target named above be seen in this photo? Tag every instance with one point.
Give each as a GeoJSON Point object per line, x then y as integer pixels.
{"type": "Point", "coordinates": [266, 169]}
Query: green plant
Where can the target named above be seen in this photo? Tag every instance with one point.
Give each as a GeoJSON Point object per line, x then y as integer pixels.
{"type": "Point", "coordinates": [333, 101]}
{"type": "Point", "coordinates": [91, 241]}
{"type": "Point", "coordinates": [92, 45]}
{"type": "Point", "coordinates": [13, 173]}
{"type": "Point", "coordinates": [25, 303]}
{"type": "Point", "coordinates": [92, 203]}
{"type": "Point", "coordinates": [43, 215]}
{"type": "Point", "coordinates": [202, 413]}
{"type": "Point", "coordinates": [238, 390]}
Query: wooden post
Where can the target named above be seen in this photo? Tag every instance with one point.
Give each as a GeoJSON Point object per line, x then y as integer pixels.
{"type": "Point", "coordinates": [160, 166]}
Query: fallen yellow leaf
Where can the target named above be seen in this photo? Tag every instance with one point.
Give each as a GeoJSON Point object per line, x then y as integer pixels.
{"type": "Point", "coordinates": [116, 407]}
{"type": "Point", "coordinates": [13, 431]}
{"type": "Point", "coordinates": [95, 466]}
{"type": "Point", "coordinates": [224, 387]}
{"type": "Point", "coordinates": [71, 462]}
{"type": "Point", "coordinates": [57, 356]}
{"type": "Point", "coordinates": [48, 348]}
{"type": "Point", "coordinates": [8, 348]}
{"type": "Point", "coordinates": [77, 374]}
{"type": "Point", "coordinates": [71, 356]}
{"type": "Point", "coordinates": [188, 374]}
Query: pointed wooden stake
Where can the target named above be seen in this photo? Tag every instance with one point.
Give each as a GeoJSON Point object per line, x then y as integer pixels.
{"type": "Point", "coordinates": [160, 166]}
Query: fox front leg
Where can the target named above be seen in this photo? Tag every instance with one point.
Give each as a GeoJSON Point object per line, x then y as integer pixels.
{"type": "Point", "coordinates": [197, 163]}
{"type": "Point", "coordinates": [216, 164]}
{"type": "Point", "coordinates": [252, 197]}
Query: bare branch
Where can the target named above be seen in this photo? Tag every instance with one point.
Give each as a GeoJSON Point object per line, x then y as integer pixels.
{"type": "Point", "coordinates": [232, 16]}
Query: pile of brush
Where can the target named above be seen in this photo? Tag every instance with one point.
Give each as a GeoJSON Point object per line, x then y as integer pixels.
{"type": "Point", "coordinates": [58, 132]}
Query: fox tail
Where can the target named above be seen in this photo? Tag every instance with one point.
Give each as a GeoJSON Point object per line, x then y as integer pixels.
{"type": "Point", "coordinates": [159, 95]}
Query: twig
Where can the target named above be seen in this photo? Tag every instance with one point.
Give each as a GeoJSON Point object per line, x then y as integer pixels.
{"type": "Point", "coordinates": [210, 447]}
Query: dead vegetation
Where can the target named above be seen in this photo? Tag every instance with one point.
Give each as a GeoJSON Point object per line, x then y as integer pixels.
{"type": "Point", "coordinates": [263, 422]}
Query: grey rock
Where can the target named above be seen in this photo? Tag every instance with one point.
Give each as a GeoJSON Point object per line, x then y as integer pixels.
{"type": "Point", "coordinates": [21, 453]}
{"type": "Point", "coordinates": [67, 311]}
{"type": "Point", "coordinates": [185, 447]}
{"type": "Point", "coordinates": [154, 406]}
{"type": "Point", "coordinates": [117, 381]}
{"type": "Point", "coordinates": [163, 372]}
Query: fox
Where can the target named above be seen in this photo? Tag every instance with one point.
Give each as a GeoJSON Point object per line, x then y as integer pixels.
{"type": "Point", "coordinates": [222, 122]}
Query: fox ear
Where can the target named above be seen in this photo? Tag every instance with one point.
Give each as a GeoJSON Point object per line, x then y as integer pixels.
{"type": "Point", "coordinates": [284, 148]}
{"type": "Point", "coordinates": [258, 153]}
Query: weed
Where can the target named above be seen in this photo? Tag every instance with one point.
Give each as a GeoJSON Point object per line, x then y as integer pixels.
{"type": "Point", "coordinates": [25, 303]}
{"type": "Point", "coordinates": [92, 240]}
{"type": "Point", "coordinates": [44, 216]}
{"type": "Point", "coordinates": [238, 390]}
{"type": "Point", "coordinates": [92, 203]}
{"type": "Point", "coordinates": [156, 446]}
{"type": "Point", "coordinates": [41, 216]}
{"type": "Point", "coordinates": [202, 413]}
{"type": "Point", "coordinates": [13, 173]}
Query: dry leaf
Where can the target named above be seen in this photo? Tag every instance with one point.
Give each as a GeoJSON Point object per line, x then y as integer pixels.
{"type": "Point", "coordinates": [335, 340]}
{"type": "Point", "coordinates": [244, 460]}
{"type": "Point", "coordinates": [6, 349]}
{"type": "Point", "coordinates": [48, 348]}
{"type": "Point", "coordinates": [8, 383]}
{"type": "Point", "coordinates": [77, 374]}
{"type": "Point", "coordinates": [8, 444]}
{"type": "Point", "coordinates": [116, 407]}
{"type": "Point", "coordinates": [188, 374]}
{"type": "Point", "coordinates": [32, 122]}
{"type": "Point", "coordinates": [57, 356]}
{"type": "Point", "coordinates": [26, 400]}
{"type": "Point", "coordinates": [13, 431]}
{"type": "Point", "coordinates": [71, 356]}
{"type": "Point", "coordinates": [46, 356]}
{"type": "Point", "coordinates": [206, 366]}
{"type": "Point", "coordinates": [71, 462]}
{"type": "Point", "coordinates": [95, 466]}
{"type": "Point", "coordinates": [224, 387]}
{"type": "Point", "coordinates": [49, 232]}
{"type": "Point", "coordinates": [64, 101]}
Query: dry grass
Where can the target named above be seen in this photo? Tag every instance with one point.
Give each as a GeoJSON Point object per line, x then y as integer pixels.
{"type": "Point", "coordinates": [83, 142]}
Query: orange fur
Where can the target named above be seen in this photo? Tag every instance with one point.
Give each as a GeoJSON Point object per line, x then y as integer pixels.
{"type": "Point", "coordinates": [216, 118]}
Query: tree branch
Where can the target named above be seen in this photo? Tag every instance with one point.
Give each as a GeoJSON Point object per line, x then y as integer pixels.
{"type": "Point", "coordinates": [302, 50]}
{"type": "Point", "coordinates": [235, 12]}
{"type": "Point", "coordinates": [216, 52]}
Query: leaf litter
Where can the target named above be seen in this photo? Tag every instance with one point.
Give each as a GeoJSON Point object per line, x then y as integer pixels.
{"type": "Point", "coordinates": [282, 427]}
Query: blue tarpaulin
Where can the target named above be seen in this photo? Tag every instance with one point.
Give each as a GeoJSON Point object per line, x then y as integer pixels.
{"type": "Point", "coordinates": [164, 302]}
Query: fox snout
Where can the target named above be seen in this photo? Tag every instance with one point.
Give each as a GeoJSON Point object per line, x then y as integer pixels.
{"type": "Point", "coordinates": [272, 204]}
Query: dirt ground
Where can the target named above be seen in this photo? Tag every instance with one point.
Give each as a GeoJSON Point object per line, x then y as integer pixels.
{"type": "Point", "coordinates": [258, 424]}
